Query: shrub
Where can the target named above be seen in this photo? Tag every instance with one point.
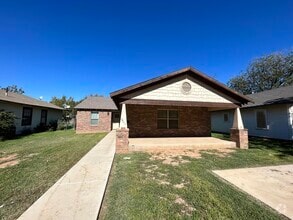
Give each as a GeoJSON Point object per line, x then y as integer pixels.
{"type": "Point", "coordinates": [41, 128]}
{"type": "Point", "coordinates": [52, 126]}
{"type": "Point", "coordinates": [7, 127]}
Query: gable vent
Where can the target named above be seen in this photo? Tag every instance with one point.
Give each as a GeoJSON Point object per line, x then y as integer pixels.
{"type": "Point", "coordinates": [186, 87]}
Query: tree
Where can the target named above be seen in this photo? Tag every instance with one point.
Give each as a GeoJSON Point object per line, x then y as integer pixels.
{"type": "Point", "coordinates": [265, 73]}
{"type": "Point", "coordinates": [13, 88]}
{"type": "Point", "coordinates": [63, 102]}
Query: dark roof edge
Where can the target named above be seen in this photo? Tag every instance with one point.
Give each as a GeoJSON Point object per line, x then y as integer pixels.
{"type": "Point", "coordinates": [176, 73]}
{"type": "Point", "coordinates": [97, 109]}
{"type": "Point", "coordinates": [36, 105]}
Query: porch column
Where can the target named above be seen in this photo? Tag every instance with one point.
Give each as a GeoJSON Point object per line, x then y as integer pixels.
{"type": "Point", "coordinates": [238, 133]}
{"type": "Point", "coordinates": [123, 118]}
{"type": "Point", "coordinates": [122, 134]}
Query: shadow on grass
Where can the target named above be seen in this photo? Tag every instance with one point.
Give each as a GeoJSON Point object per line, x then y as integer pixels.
{"type": "Point", "coordinates": [282, 147]}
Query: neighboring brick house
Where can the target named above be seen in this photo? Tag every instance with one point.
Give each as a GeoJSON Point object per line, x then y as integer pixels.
{"type": "Point", "coordinates": [176, 104]}
{"type": "Point", "coordinates": [96, 114]}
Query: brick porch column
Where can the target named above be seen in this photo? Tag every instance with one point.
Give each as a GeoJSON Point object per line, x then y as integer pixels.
{"type": "Point", "coordinates": [122, 133]}
{"type": "Point", "coordinates": [238, 133]}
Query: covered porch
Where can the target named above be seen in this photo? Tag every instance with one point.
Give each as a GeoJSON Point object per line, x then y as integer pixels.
{"type": "Point", "coordinates": [178, 104]}
{"type": "Point", "coordinates": [140, 128]}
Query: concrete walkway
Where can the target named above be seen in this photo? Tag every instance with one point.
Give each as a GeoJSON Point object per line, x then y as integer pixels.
{"type": "Point", "coordinates": [272, 185]}
{"type": "Point", "coordinates": [79, 193]}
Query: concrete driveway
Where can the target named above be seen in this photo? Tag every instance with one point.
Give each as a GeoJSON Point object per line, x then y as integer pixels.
{"type": "Point", "coordinates": [272, 185]}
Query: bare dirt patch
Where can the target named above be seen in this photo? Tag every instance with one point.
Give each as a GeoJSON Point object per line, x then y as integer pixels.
{"type": "Point", "coordinates": [174, 156]}
{"type": "Point", "coordinates": [180, 185]}
{"type": "Point", "coordinates": [9, 160]}
{"type": "Point", "coordinates": [186, 208]}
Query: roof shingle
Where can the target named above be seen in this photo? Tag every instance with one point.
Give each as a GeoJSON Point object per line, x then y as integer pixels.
{"type": "Point", "coordinates": [97, 103]}
{"type": "Point", "coordinates": [26, 100]}
{"type": "Point", "coordinates": [274, 96]}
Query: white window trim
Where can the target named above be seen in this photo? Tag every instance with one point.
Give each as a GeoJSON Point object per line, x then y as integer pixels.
{"type": "Point", "coordinates": [97, 119]}
{"type": "Point", "coordinates": [266, 119]}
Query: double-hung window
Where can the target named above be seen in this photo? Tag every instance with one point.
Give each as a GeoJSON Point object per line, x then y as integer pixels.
{"type": "Point", "coordinates": [94, 118]}
{"type": "Point", "coordinates": [226, 117]}
{"type": "Point", "coordinates": [261, 119]}
{"type": "Point", "coordinates": [27, 114]}
{"type": "Point", "coordinates": [167, 119]}
{"type": "Point", "coordinates": [44, 114]}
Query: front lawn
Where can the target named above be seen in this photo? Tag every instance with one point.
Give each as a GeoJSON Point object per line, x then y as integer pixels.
{"type": "Point", "coordinates": [33, 163]}
{"type": "Point", "coordinates": [143, 186]}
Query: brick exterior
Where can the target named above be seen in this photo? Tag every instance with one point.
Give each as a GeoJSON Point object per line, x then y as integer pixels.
{"type": "Point", "coordinates": [240, 136]}
{"type": "Point", "coordinates": [83, 122]}
{"type": "Point", "coordinates": [122, 141]}
{"type": "Point", "coordinates": [193, 122]}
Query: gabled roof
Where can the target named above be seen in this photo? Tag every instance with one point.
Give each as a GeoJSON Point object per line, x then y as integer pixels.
{"type": "Point", "coordinates": [282, 95]}
{"type": "Point", "coordinates": [25, 100]}
{"type": "Point", "coordinates": [189, 70]}
{"type": "Point", "coordinates": [97, 103]}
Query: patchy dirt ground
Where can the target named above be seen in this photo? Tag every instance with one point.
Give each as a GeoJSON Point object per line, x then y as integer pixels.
{"type": "Point", "coordinates": [174, 157]}
{"type": "Point", "coordinates": [9, 160]}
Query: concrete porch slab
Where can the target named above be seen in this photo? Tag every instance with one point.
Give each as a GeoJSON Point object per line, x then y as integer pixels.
{"type": "Point", "coordinates": [141, 144]}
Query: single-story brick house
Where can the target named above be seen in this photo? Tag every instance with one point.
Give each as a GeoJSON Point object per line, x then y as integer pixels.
{"type": "Point", "coordinates": [29, 112]}
{"type": "Point", "coordinates": [96, 114]}
{"type": "Point", "coordinates": [178, 104]}
{"type": "Point", "coordinates": [270, 116]}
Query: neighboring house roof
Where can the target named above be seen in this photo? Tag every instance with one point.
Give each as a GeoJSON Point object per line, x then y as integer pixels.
{"type": "Point", "coordinates": [97, 103]}
{"type": "Point", "coordinates": [25, 100]}
{"type": "Point", "coordinates": [282, 95]}
{"type": "Point", "coordinates": [189, 70]}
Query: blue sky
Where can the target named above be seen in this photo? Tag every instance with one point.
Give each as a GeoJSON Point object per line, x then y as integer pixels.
{"type": "Point", "coordinates": [77, 48]}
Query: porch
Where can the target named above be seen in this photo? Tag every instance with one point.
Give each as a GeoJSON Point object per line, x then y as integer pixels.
{"type": "Point", "coordinates": [182, 143]}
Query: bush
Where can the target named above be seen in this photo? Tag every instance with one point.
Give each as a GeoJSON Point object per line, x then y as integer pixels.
{"type": "Point", "coordinates": [41, 128]}
{"type": "Point", "coordinates": [52, 126]}
{"type": "Point", "coordinates": [7, 127]}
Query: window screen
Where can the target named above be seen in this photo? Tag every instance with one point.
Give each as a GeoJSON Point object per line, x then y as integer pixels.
{"type": "Point", "coordinates": [94, 118]}
{"type": "Point", "coordinates": [261, 121]}
{"type": "Point", "coordinates": [167, 119]}
{"type": "Point", "coordinates": [27, 114]}
{"type": "Point", "coordinates": [226, 117]}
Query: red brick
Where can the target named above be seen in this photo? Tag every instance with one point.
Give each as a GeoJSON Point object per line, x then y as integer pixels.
{"type": "Point", "coordinates": [193, 122]}
{"type": "Point", "coordinates": [240, 136]}
{"type": "Point", "coordinates": [122, 141]}
{"type": "Point", "coordinates": [83, 122]}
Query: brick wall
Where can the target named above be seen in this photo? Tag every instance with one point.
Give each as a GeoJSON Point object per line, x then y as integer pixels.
{"type": "Point", "coordinates": [83, 122]}
{"type": "Point", "coordinates": [193, 121]}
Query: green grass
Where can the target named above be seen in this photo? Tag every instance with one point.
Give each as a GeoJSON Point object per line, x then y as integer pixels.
{"type": "Point", "coordinates": [135, 192]}
{"type": "Point", "coordinates": [44, 158]}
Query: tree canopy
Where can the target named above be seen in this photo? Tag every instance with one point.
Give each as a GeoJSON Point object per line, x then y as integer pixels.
{"type": "Point", "coordinates": [63, 102]}
{"type": "Point", "coordinates": [265, 73]}
{"type": "Point", "coordinates": [14, 88]}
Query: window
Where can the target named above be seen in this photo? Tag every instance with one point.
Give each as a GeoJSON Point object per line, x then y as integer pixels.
{"type": "Point", "coordinates": [226, 117]}
{"type": "Point", "coordinates": [44, 117]}
{"type": "Point", "coordinates": [27, 114]}
{"type": "Point", "coordinates": [167, 119]}
{"type": "Point", "coordinates": [261, 119]}
{"type": "Point", "coordinates": [94, 118]}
